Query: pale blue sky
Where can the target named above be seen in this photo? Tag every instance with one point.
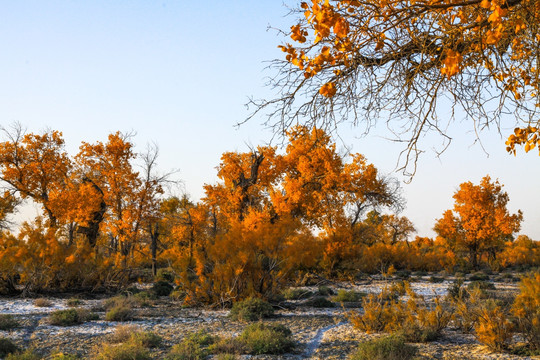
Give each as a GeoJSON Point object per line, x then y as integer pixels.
{"type": "Point", "coordinates": [179, 73]}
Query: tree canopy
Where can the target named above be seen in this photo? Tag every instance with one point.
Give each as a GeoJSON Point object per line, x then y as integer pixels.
{"type": "Point", "coordinates": [359, 61]}
{"type": "Point", "coordinates": [480, 222]}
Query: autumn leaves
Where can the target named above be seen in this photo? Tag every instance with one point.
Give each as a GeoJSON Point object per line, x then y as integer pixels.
{"type": "Point", "coordinates": [356, 61]}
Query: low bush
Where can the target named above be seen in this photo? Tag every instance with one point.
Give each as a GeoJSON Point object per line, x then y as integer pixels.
{"type": "Point", "coordinates": [251, 309]}
{"type": "Point", "coordinates": [120, 301]}
{"type": "Point", "coordinates": [296, 294]}
{"type": "Point", "coordinates": [415, 320]}
{"type": "Point", "coordinates": [8, 322]}
{"type": "Point", "coordinates": [125, 351]}
{"type": "Point", "coordinates": [436, 279]}
{"type": "Point", "coordinates": [228, 346]}
{"type": "Point", "coordinates": [526, 310]}
{"type": "Point", "coordinates": [226, 357]}
{"type": "Point", "coordinates": [260, 338]}
{"type": "Point", "coordinates": [122, 334]}
{"type": "Point", "coordinates": [145, 298]}
{"type": "Point", "coordinates": [381, 313]}
{"type": "Point", "coordinates": [119, 313]}
{"type": "Point", "coordinates": [73, 302]}
{"type": "Point", "coordinates": [195, 346]}
{"type": "Point", "coordinates": [29, 354]}
{"type": "Point", "coordinates": [42, 302]}
{"type": "Point", "coordinates": [481, 284]}
{"type": "Point", "coordinates": [7, 346]}
{"type": "Point", "coordinates": [398, 288]}
{"type": "Point", "coordinates": [178, 294]}
{"type": "Point", "coordinates": [390, 347]}
{"type": "Point", "coordinates": [479, 276]}
{"type": "Point", "coordinates": [166, 275]}
{"type": "Point", "coordinates": [325, 291]}
{"type": "Point", "coordinates": [493, 327]}
{"type": "Point", "coordinates": [347, 296]}
{"type": "Point", "coordinates": [319, 302]}
{"type": "Point", "coordinates": [62, 356]}
{"type": "Point", "coordinates": [134, 334]}
{"type": "Point", "coordinates": [162, 288]}
{"type": "Point", "coordinates": [71, 317]}
{"type": "Point", "coordinates": [147, 339]}
{"type": "Point", "coordinates": [456, 291]}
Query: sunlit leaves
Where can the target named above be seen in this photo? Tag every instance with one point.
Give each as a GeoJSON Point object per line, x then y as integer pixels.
{"type": "Point", "coordinates": [480, 221]}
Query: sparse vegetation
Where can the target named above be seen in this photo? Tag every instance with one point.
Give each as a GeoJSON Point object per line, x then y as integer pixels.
{"type": "Point", "coordinates": [251, 309]}
{"type": "Point", "coordinates": [119, 313]}
{"type": "Point", "coordinates": [260, 338]}
{"type": "Point", "coordinates": [162, 288]}
{"type": "Point", "coordinates": [42, 302]}
{"type": "Point", "coordinates": [7, 346]}
{"type": "Point", "coordinates": [296, 294]}
{"type": "Point", "coordinates": [28, 354]}
{"type": "Point", "coordinates": [70, 317]}
{"type": "Point", "coordinates": [124, 351]}
{"type": "Point", "coordinates": [73, 302]}
{"type": "Point", "coordinates": [386, 348]}
{"type": "Point", "coordinates": [8, 322]}
{"type": "Point", "coordinates": [195, 346]}
{"type": "Point", "coordinates": [347, 296]}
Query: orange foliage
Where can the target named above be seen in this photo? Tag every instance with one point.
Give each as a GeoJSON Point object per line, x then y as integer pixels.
{"type": "Point", "coordinates": [480, 222]}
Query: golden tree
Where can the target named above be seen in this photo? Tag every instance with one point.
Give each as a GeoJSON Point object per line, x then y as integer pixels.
{"type": "Point", "coordinates": [36, 167]}
{"type": "Point", "coordinates": [361, 60]}
{"type": "Point", "coordinates": [480, 222]}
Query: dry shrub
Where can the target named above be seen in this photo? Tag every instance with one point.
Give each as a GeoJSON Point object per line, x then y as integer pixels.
{"type": "Point", "coordinates": [416, 319]}
{"type": "Point", "coordinates": [381, 313]}
{"type": "Point", "coordinates": [526, 309]}
{"type": "Point", "coordinates": [122, 333]}
{"type": "Point", "coordinates": [493, 327]}
{"type": "Point", "coordinates": [42, 302]}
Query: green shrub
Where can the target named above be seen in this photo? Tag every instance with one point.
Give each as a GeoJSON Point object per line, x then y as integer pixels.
{"type": "Point", "coordinates": [145, 298]}
{"type": "Point", "coordinates": [456, 290]}
{"type": "Point", "coordinates": [436, 279]}
{"type": "Point", "coordinates": [71, 317]}
{"type": "Point", "coordinates": [27, 355]}
{"type": "Point", "coordinates": [165, 275]}
{"type": "Point", "coordinates": [7, 347]}
{"type": "Point", "coordinates": [8, 322]}
{"type": "Point", "coordinates": [326, 291]}
{"type": "Point", "coordinates": [73, 302]}
{"type": "Point", "coordinates": [260, 338]}
{"type": "Point", "coordinates": [403, 274]}
{"type": "Point", "coordinates": [296, 294]}
{"type": "Point", "coordinates": [347, 296]}
{"type": "Point", "coordinates": [193, 347]}
{"type": "Point", "coordinates": [481, 285]}
{"type": "Point", "coordinates": [320, 302]}
{"type": "Point", "coordinates": [62, 356]}
{"type": "Point", "coordinates": [162, 288]}
{"type": "Point", "coordinates": [479, 276]}
{"type": "Point", "coordinates": [226, 357]}
{"type": "Point", "coordinates": [228, 346]}
{"type": "Point", "coordinates": [64, 317]}
{"type": "Point", "coordinates": [390, 347]}
{"type": "Point", "coordinates": [147, 339]}
{"type": "Point", "coordinates": [120, 301]}
{"type": "Point", "coordinates": [119, 313]}
{"type": "Point", "coordinates": [251, 309]}
{"type": "Point", "coordinates": [125, 351]}
{"type": "Point", "coordinates": [178, 294]}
